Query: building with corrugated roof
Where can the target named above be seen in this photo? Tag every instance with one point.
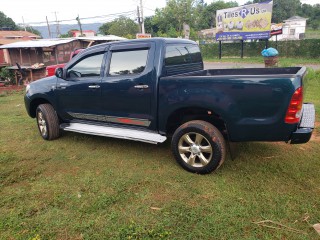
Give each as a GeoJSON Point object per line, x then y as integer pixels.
{"type": "Point", "coordinates": [7, 37]}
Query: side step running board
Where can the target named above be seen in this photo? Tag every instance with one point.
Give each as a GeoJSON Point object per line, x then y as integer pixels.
{"type": "Point", "coordinates": [115, 132]}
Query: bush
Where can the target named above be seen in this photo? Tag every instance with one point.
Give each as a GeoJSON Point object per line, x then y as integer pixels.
{"type": "Point", "coordinates": [308, 48]}
{"type": "Point", "coordinates": [7, 76]}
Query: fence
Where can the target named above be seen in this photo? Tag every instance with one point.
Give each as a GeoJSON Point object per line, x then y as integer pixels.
{"type": "Point", "coordinates": [308, 48]}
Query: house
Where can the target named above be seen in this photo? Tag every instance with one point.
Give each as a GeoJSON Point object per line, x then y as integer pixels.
{"type": "Point", "coordinates": [21, 35]}
{"type": "Point", "coordinates": [39, 53]}
{"type": "Point", "coordinates": [85, 33]}
{"type": "Point", "coordinates": [293, 28]}
{"type": "Point", "coordinates": [7, 37]}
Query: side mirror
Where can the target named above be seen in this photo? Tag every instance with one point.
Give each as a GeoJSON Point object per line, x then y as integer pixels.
{"type": "Point", "coordinates": [59, 72]}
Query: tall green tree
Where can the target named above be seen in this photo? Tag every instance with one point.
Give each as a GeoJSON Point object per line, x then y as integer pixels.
{"type": "Point", "coordinates": [175, 14]}
{"type": "Point", "coordinates": [312, 12]}
{"type": "Point", "coordinates": [284, 9]}
{"type": "Point", "coordinates": [6, 22]}
{"type": "Point", "coordinates": [150, 26]}
{"type": "Point", "coordinates": [122, 26]}
{"type": "Point", "coordinates": [208, 17]}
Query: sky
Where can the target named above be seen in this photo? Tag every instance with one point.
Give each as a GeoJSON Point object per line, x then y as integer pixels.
{"type": "Point", "coordinates": [35, 11]}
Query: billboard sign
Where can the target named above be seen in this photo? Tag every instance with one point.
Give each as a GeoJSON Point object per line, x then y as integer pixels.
{"type": "Point", "coordinates": [276, 29]}
{"type": "Point", "coordinates": [245, 22]}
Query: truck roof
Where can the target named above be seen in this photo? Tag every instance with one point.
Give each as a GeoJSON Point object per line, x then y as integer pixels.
{"type": "Point", "coordinates": [157, 39]}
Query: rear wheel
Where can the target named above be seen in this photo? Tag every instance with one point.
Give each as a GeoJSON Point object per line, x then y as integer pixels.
{"type": "Point", "coordinates": [47, 121]}
{"type": "Point", "coordinates": [198, 147]}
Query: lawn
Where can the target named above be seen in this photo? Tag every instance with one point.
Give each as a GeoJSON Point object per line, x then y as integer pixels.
{"type": "Point", "coordinates": [88, 187]}
{"type": "Point", "coordinates": [310, 33]}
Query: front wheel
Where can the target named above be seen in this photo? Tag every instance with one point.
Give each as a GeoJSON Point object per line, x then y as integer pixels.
{"type": "Point", "coordinates": [47, 121]}
{"type": "Point", "coordinates": [198, 147]}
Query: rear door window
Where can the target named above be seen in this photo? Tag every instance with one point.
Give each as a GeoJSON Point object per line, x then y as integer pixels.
{"type": "Point", "coordinates": [128, 62]}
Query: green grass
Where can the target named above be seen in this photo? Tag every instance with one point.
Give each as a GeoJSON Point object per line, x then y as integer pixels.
{"type": "Point", "coordinates": [312, 34]}
{"type": "Point", "coordinates": [87, 187]}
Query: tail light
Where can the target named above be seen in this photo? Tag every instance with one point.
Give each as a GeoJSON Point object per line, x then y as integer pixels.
{"type": "Point", "coordinates": [294, 111]}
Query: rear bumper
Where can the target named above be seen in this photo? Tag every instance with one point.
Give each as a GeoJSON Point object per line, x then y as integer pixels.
{"type": "Point", "coordinates": [306, 126]}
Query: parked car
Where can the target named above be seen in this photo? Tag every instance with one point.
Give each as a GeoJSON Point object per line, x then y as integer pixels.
{"type": "Point", "coordinates": [50, 70]}
{"type": "Point", "coordinates": [153, 89]}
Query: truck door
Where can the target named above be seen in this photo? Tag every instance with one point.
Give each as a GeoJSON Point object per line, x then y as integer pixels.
{"type": "Point", "coordinates": [79, 94]}
{"type": "Point", "coordinates": [127, 90]}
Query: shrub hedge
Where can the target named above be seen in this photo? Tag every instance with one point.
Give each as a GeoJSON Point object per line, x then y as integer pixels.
{"type": "Point", "coordinates": [308, 48]}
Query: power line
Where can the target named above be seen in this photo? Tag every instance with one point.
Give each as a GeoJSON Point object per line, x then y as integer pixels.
{"type": "Point", "coordinates": [129, 13]}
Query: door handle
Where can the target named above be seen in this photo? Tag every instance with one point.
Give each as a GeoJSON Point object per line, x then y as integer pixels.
{"type": "Point", "coordinates": [62, 86]}
{"type": "Point", "coordinates": [94, 86]}
{"type": "Point", "coordinates": [140, 86]}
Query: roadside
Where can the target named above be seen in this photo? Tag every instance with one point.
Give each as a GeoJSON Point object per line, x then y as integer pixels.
{"type": "Point", "coordinates": [221, 65]}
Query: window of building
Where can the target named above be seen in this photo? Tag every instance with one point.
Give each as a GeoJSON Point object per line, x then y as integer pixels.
{"type": "Point", "coordinates": [292, 32]}
{"type": "Point", "coordinates": [128, 62]}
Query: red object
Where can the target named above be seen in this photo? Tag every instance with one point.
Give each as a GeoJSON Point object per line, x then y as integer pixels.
{"type": "Point", "coordinates": [2, 61]}
{"type": "Point", "coordinates": [50, 70]}
{"type": "Point", "coordinates": [294, 110]}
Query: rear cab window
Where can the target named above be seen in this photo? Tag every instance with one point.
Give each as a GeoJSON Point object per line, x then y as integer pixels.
{"type": "Point", "coordinates": [182, 58]}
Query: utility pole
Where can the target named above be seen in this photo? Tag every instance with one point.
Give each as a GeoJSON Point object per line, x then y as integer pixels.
{"type": "Point", "coordinates": [49, 31]}
{"type": "Point", "coordinates": [58, 27]}
{"type": "Point", "coordinates": [24, 25]}
{"type": "Point", "coordinates": [142, 20]}
{"type": "Point", "coordinates": [139, 19]}
{"type": "Point", "coordinates": [78, 19]}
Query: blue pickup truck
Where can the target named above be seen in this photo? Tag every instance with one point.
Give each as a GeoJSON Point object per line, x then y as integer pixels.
{"type": "Point", "coordinates": [153, 89]}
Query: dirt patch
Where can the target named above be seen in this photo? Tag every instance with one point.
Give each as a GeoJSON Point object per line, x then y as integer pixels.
{"type": "Point", "coordinates": [11, 88]}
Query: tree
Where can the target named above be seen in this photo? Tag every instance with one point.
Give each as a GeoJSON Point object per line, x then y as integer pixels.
{"type": "Point", "coordinates": [32, 30]}
{"type": "Point", "coordinates": [169, 20]}
{"type": "Point", "coordinates": [122, 26]}
{"type": "Point", "coordinates": [209, 14]}
{"type": "Point", "coordinates": [312, 13]}
{"type": "Point", "coordinates": [104, 29]}
{"type": "Point", "coordinates": [284, 9]}
{"type": "Point", "coordinates": [175, 14]}
{"type": "Point", "coordinates": [6, 22]}
{"type": "Point", "coordinates": [150, 27]}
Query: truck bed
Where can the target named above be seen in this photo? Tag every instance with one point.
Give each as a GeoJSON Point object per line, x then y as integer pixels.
{"type": "Point", "coordinates": [289, 71]}
{"type": "Point", "coordinates": [252, 101]}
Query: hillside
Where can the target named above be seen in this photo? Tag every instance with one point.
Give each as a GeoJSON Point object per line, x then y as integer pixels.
{"type": "Point", "coordinates": [64, 28]}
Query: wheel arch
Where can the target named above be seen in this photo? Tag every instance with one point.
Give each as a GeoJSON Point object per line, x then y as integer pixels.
{"type": "Point", "coordinates": [186, 114]}
{"type": "Point", "coordinates": [35, 103]}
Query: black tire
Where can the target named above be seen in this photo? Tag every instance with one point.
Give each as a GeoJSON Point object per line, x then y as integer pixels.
{"type": "Point", "coordinates": [47, 121]}
{"type": "Point", "coordinates": [198, 147]}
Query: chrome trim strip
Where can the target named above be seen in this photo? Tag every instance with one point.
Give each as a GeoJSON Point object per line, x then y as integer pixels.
{"type": "Point", "coordinates": [111, 119]}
